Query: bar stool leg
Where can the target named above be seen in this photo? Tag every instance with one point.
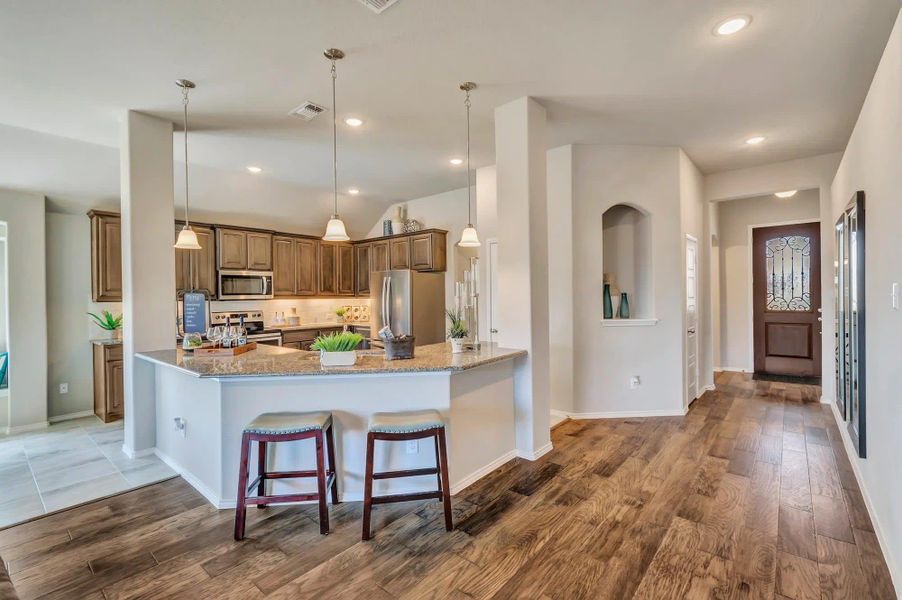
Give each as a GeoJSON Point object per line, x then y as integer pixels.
{"type": "Point", "coordinates": [445, 487]}
{"type": "Point", "coordinates": [330, 447]}
{"type": "Point", "coordinates": [438, 464]}
{"type": "Point", "coordinates": [240, 507]}
{"type": "Point", "coordinates": [368, 486]}
{"type": "Point", "coordinates": [261, 470]}
{"type": "Point", "coordinates": [321, 484]}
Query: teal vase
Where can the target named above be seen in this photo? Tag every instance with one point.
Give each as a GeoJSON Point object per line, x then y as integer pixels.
{"type": "Point", "coordinates": [608, 307]}
{"type": "Point", "coordinates": [624, 306]}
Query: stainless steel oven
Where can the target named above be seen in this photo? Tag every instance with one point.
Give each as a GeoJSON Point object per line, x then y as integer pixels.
{"type": "Point", "coordinates": [245, 285]}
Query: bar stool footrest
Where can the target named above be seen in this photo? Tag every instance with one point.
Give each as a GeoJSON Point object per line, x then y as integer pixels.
{"type": "Point", "coordinates": [407, 473]}
{"type": "Point", "coordinates": [407, 497]}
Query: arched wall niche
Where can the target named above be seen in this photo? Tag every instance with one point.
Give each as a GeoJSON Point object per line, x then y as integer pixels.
{"type": "Point", "coordinates": [627, 257]}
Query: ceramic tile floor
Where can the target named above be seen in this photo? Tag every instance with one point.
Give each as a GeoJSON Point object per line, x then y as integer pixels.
{"type": "Point", "coordinates": [67, 464]}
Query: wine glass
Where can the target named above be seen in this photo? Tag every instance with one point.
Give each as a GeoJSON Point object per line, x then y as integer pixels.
{"type": "Point", "coordinates": [214, 334]}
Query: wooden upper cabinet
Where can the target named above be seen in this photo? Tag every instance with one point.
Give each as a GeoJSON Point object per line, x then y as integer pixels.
{"type": "Point", "coordinates": [328, 269]}
{"type": "Point", "coordinates": [428, 252]}
{"type": "Point", "coordinates": [106, 257]}
{"type": "Point", "coordinates": [259, 251]}
{"type": "Point", "coordinates": [196, 269]}
{"type": "Point", "coordinates": [307, 261]}
{"type": "Point", "coordinates": [400, 253]}
{"type": "Point", "coordinates": [362, 269]}
{"type": "Point", "coordinates": [345, 275]}
{"type": "Point", "coordinates": [232, 249]}
{"type": "Point", "coordinates": [284, 266]}
{"type": "Point", "coordinates": [380, 259]}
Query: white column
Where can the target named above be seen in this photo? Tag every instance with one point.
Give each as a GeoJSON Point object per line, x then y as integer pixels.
{"type": "Point", "coordinates": [148, 266]}
{"type": "Point", "coordinates": [523, 264]}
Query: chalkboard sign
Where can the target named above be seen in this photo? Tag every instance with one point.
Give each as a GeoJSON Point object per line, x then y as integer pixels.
{"type": "Point", "coordinates": [194, 312]}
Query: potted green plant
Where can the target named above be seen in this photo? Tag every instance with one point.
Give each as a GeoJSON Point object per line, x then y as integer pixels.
{"type": "Point", "coordinates": [108, 322]}
{"type": "Point", "coordinates": [337, 349]}
{"type": "Point", "coordinates": [457, 333]}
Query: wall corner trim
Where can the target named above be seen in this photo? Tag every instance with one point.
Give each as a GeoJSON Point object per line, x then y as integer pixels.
{"type": "Point", "coordinates": [537, 454]}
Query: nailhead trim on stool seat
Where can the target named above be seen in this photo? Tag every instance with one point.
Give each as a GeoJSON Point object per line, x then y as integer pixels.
{"type": "Point", "coordinates": [406, 422]}
{"type": "Point", "coordinates": [288, 422]}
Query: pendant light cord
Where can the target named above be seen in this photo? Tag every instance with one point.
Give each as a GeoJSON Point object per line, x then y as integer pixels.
{"type": "Point", "coordinates": [185, 118]}
{"type": "Point", "coordinates": [334, 147]}
{"type": "Point", "coordinates": [469, 193]}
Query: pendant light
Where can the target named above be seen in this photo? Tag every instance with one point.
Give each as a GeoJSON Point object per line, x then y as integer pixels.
{"type": "Point", "coordinates": [187, 238]}
{"type": "Point", "coordinates": [468, 238]}
{"type": "Point", "coordinates": [335, 229]}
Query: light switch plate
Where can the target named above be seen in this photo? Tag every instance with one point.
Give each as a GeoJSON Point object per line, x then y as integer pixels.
{"type": "Point", "coordinates": [895, 296]}
{"type": "Point", "coordinates": [64, 388]}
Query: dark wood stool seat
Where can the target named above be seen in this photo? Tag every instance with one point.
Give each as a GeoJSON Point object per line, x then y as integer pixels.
{"type": "Point", "coordinates": [393, 427]}
{"type": "Point", "coordinates": [286, 427]}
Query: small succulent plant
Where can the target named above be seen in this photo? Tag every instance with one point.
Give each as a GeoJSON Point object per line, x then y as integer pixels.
{"type": "Point", "coordinates": [107, 321]}
{"type": "Point", "coordinates": [457, 330]}
{"type": "Point", "coordinates": [344, 341]}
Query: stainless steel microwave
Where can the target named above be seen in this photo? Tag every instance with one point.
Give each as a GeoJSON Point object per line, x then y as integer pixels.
{"type": "Point", "coordinates": [245, 285]}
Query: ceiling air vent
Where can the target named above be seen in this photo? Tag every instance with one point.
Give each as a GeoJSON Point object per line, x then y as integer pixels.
{"type": "Point", "coordinates": [377, 6]}
{"type": "Point", "coordinates": [308, 111]}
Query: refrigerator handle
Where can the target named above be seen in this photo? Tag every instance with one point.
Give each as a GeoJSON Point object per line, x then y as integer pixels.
{"type": "Point", "coordinates": [388, 302]}
{"type": "Point", "coordinates": [384, 288]}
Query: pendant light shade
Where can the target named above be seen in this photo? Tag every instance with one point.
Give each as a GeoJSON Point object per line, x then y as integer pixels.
{"type": "Point", "coordinates": [468, 237]}
{"type": "Point", "coordinates": [335, 229]}
{"type": "Point", "coordinates": [187, 239]}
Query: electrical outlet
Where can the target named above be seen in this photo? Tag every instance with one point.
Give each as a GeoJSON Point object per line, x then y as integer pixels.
{"type": "Point", "coordinates": [181, 426]}
{"type": "Point", "coordinates": [64, 388]}
{"type": "Point", "coordinates": [635, 382]}
{"type": "Point", "coordinates": [413, 446]}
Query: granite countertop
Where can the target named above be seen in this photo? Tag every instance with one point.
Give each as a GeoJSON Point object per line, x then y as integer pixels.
{"type": "Point", "coordinates": [274, 361]}
{"type": "Point", "coordinates": [106, 342]}
{"type": "Point", "coordinates": [325, 325]}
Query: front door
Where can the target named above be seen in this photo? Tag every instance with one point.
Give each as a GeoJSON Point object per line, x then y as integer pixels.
{"type": "Point", "coordinates": [786, 273]}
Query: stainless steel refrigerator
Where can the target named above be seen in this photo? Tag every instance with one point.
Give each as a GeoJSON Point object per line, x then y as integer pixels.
{"type": "Point", "coordinates": [410, 303]}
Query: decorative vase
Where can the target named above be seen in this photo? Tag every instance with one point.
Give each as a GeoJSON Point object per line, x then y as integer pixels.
{"type": "Point", "coordinates": [457, 345]}
{"type": "Point", "coordinates": [338, 359]}
{"type": "Point", "coordinates": [608, 306]}
{"type": "Point", "coordinates": [386, 227]}
{"type": "Point", "coordinates": [624, 306]}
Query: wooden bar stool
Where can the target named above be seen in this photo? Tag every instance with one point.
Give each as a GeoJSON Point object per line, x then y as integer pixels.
{"type": "Point", "coordinates": [286, 427]}
{"type": "Point", "coordinates": [394, 427]}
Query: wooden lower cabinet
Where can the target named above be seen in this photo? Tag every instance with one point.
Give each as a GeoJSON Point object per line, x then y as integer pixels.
{"type": "Point", "coordinates": [109, 392]}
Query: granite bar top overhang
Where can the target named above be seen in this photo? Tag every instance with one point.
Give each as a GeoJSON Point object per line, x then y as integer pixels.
{"type": "Point", "coordinates": [274, 361]}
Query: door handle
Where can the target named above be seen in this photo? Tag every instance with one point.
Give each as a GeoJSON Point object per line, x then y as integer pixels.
{"type": "Point", "coordinates": [820, 319]}
{"type": "Point", "coordinates": [691, 331]}
{"type": "Point", "coordinates": [493, 330]}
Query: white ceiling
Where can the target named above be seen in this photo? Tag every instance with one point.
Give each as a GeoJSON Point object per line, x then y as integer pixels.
{"type": "Point", "coordinates": [613, 71]}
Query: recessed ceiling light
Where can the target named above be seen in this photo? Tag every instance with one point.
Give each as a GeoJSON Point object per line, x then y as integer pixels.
{"type": "Point", "coordinates": [456, 161]}
{"type": "Point", "coordinates": [732, 25]}
{"type": "Point", "coordinates": [786, 194]}
{"type": "Point", "coordinates": [353, 191]}
{"type": "Point", "coordinates": [354, 121]}
{"type": "Point", "coordinates": [253, 169]}
{"type": "Point", "coordinates": [753, 141]}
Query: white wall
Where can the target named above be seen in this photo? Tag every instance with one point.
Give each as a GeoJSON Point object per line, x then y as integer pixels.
{"type": "Point", "coordinates": [23, 215]}
{"type": "Point", "coordinates": [606, 357]}
{"type": "Point", "coordinates": [734, 293]}
{"type": "Point", "coordinates": [3, 317]}
{"type": "Point", "coordinates": [871, 163]}
{"type": "Point", "coordinates": [560, 276]}
{"type": "Point", "coordinates": [447, 211]}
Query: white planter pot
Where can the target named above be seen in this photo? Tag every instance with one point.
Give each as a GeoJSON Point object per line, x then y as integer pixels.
{"type": "Point", "coordinates": [457, 345]}
{"type": "Point", "coordinates": [338, 359]}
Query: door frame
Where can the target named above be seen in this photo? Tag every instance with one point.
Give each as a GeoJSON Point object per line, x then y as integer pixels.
{"type": "Point", "coordinates": [751, 294]}
{"type": "Point", "coordinates": [490, 271]}
{"type": "Point", "coordinates": [698, 387]}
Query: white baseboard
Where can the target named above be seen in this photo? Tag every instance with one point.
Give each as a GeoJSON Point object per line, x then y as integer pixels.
{"type": "Point", "coordinates": [709, 388]}
{"type": "Point", "coordinates": [537, 454]}
{"type": "Point", "coordinates": [630, 414]}
{"type": "Point", "coordinates": [734, 369]}
{"type": "Point", "coordinates": [558, 417]}
{"type": "Point", "coordinates": [25, 428]}
{"type": "Point", "coordinates": [72, 416]}
{"type": "Point", "coordinates": [472, 478]}
{"type": "Point", "coordinates": [194, 482]}
{"type": "Point", "coordinates": [826, 400]}
{"type": "Point", "coordinates": [137, 453]}
{"type": "Point", "coordinates": [894, 569]}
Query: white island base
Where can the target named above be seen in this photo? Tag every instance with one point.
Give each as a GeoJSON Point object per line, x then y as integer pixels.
{"type": "Point", "coordinates": [477, 404]}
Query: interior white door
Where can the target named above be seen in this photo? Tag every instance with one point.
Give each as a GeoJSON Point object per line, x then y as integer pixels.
{"type": "Point", "coordinates": [691, 318]}
{"type": "Point", "coordinates": [492, 271]}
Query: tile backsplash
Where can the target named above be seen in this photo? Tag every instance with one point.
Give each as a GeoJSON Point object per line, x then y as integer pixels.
{"type": "Point", "coordinates": [313, 310]}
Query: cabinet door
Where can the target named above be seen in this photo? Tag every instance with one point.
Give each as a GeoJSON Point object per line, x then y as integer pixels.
{"type": "Point", "coordinates": [346, 270]}
{"type": "Point", "coordinates": [259, 251]}
{"type": "Point", "coordinates": [307, 260]}
{"type": "Point", "coordinates": [400, 253]}
{"type": "Point", "coordinates": [232, 249]}
{"type": "Point", "coordinates": [428, 252]}
{"type": "Point", "coordinates": [106, 258]}
{"type": "Point", "coordinates": [203, 261]}
{"type": "Point", "coordinates": [115, 388]}
{"type": "Point", "coordinates": [292, 345]}
{"type": "Point", "coordinates": [380, 259]}
{"type": "Point", "coordinates": [283, 266]}
{"type": "Point", "coordinates": [328, 269]}
{"type": "Point", "coordinates": [362, 268]}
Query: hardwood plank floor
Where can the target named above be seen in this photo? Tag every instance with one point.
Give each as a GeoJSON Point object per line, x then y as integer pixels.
{"type": "Point", "coordinates": [750, 495]}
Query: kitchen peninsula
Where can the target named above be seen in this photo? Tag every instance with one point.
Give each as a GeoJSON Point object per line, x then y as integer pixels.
{"type": "Point", "coordinates": [199, 406]}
